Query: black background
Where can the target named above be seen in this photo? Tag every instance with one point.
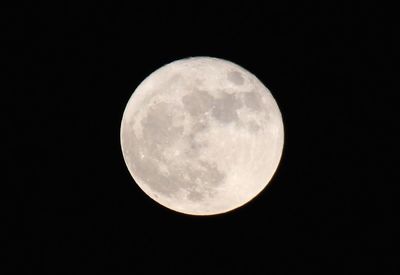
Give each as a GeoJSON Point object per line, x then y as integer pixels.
{"type": "Point", "coordinates": [73, 206]}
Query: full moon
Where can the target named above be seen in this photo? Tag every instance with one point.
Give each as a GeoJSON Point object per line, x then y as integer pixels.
{"type": "Point", "coordinates": [202, 136]}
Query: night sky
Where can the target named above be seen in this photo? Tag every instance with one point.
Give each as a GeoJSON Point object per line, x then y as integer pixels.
{"type": "Point", "coordinates": [71, 205]}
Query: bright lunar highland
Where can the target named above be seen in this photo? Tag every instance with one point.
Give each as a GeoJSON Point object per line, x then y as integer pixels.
{"type": "Point", "coordinates": [202, 136]}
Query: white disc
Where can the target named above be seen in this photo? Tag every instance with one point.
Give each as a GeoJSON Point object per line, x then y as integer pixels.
{"type": "Point", "coordinates": [202, 136]}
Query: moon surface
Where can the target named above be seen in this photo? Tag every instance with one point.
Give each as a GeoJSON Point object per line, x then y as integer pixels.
{"type": "Point", "coordinates": [202, 136]}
